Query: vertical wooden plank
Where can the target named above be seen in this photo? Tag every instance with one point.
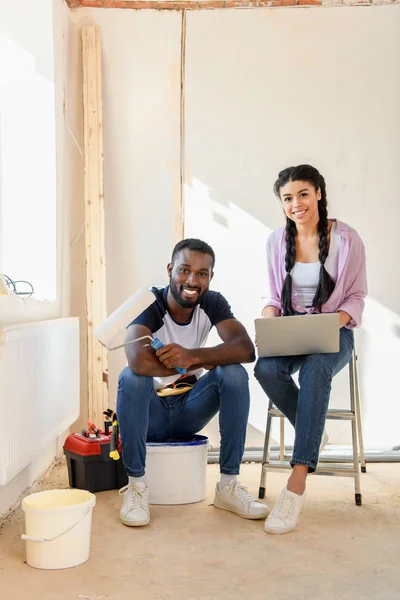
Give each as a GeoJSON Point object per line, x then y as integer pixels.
{"type": "Point", "coordinates": [94, 221]}
{"type": "Point", "coordinates": [179, 204]}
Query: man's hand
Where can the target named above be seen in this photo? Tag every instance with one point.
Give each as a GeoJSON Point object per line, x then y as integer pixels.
{"type": "Point", "coordinates": [174, 355]}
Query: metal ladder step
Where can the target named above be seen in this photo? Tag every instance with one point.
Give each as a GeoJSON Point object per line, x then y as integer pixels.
{"type": "Point", "coordinates": [338, 469]}
{"type": "Point", "coordinates": [333, 413]}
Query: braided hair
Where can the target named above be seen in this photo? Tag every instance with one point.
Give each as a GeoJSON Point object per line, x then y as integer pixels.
{"type": "Point", "coordinates": [325, 284]}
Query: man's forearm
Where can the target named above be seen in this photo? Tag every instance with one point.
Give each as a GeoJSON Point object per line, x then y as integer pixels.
{"type": "Point", "coordinates": [228, 353]}
{"type": "Point", "coordinates": [150, 366]}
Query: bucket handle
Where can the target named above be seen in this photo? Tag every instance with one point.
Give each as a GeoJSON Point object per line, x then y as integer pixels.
{"type": "Point", "coordinates": [31, 538]}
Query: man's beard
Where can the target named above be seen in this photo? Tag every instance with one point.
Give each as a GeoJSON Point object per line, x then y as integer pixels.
{"type": "Point", "coordinates": [178, 298]}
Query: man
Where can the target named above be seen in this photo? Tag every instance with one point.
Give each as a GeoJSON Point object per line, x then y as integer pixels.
{"type": "Point", "coordinates": [182, 317]}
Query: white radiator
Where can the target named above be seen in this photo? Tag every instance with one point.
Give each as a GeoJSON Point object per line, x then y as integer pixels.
{"type": "Point", "coordinates": [39, 389]}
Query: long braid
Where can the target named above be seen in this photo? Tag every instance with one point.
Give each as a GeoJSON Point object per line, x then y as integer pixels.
{"type": "Point", "coordinates": [290, 258]}
{"type": "Point", "coordinates": [325, 284]}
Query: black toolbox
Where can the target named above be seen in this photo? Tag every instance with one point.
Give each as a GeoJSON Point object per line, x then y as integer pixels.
{"type": "Point", "coordinates": [90, 466]}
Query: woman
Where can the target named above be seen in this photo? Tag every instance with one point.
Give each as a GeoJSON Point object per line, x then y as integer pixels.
{"type": "Point", "coordinates": [315, 265]}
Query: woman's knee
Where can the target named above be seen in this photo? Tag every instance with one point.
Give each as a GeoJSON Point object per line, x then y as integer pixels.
{"type": "Point", "coordinates": [316, 365]}
{"type": "Point", "coordinates": [266, 369]}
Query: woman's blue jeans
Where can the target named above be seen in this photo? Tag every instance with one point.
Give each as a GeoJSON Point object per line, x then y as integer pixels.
{"type": "Point", "coordinates": [305, 406]}
{"type": "Point", "coordinates": [142, 415]}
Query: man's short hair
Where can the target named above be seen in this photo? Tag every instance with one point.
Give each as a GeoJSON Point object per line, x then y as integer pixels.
{"type": "Point", "coordinates": [195, 245]}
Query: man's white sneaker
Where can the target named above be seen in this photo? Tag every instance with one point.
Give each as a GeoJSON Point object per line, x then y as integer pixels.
{"type": "Point", "coordinates": [285, 514]}
{"type": "Point", "coordinates": [135, 505]}
{"type": "Point", "coordinates": [235, 498]}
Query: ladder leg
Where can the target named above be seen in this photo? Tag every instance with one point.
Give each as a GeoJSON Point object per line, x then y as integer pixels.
{"type": "Point", "coordinates": [354, 435]}
{"type": "Point", "coordinates": [265, 459]}
{"type": "Point", "coordinates": [358, 417]}
{"type": "Point", "coordinates": [282, 438]}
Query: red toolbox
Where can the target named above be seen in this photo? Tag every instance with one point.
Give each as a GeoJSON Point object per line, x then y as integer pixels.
{"type": "Point", "coordinates": [90, 466]}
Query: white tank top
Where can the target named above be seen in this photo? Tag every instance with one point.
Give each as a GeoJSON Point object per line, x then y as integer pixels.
{"type": "Point", "coordinates": [305, 276]}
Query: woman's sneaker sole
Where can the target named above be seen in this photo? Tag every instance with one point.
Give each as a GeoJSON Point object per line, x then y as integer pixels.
{"type": "Point", "coordinates": [279, 532]}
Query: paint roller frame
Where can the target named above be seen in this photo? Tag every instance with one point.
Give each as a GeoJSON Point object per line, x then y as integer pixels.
{"type": "Point", "coordinates": [155, 343]}
{"type": "Point", "coordinates": [144, 337]}
{"type": "Point", "coordinates": [125, 314]}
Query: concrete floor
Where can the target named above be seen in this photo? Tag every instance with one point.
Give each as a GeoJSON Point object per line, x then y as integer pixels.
{"type": "Point", "coordinates": [197, 552]}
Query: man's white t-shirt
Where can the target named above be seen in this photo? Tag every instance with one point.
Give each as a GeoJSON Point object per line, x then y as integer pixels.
{"type": "Point", "coordinates": [212, 309]}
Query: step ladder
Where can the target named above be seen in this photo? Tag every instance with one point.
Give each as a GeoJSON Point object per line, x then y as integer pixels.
{"type": "Point", "coordinates": [350, 467]}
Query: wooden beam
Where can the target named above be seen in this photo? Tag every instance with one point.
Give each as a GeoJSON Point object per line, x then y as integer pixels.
{"type": "Point", "coordinates": [179, 204]}
{"type": "Point", "coordinates": [94, 222]}
{"type": "Point", "coordinates": [219, 4]}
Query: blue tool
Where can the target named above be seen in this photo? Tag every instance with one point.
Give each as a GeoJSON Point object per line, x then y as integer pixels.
{"type": "Point", "coordinates": [157, 344]}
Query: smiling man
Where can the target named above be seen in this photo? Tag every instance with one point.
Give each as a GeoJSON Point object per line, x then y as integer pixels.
{"type": "Point", "coordinates": [155, 403]}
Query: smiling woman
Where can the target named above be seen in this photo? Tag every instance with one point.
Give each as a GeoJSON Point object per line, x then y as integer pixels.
{"type": "Point", "coordinates": [315, 265]}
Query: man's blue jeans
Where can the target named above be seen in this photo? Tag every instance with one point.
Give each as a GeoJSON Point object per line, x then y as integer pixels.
{"type": "Point", "coordinates": [142, 415]}
{"type": "Point", "coordinates": [306, 407]}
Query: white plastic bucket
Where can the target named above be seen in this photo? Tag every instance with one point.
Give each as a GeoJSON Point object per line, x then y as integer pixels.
{"type": "Point", "coordinates": [176, 471]}
{"type": "Point", "coordinates": [58, 527]}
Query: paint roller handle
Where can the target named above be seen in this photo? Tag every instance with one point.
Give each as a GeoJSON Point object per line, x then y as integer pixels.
{"type": "Point", "coordinates": [157, 344]}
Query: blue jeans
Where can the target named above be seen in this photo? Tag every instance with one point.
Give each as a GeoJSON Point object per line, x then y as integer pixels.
{"type": "Point", "coordinates": [305, 407]}
{"type": "Point", "coordinates": [142, 415]}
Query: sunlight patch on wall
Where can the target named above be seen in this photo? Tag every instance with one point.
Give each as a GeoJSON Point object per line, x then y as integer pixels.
{"type": "Point", "coordinates": [238, 240]}
{"type": "Point", "coordinates": [27, 171]}
{"type": "Point", "coordinates": [379, 349]}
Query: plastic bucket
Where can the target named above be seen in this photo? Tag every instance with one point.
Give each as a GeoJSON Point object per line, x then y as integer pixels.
{"type": "Point", "coordinates": [176, 471]}
{"type": "Point", "coordinates": [58, 527]}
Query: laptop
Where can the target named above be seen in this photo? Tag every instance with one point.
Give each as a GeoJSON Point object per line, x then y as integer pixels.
{"type": "Point", "coordinates": [303, 334]}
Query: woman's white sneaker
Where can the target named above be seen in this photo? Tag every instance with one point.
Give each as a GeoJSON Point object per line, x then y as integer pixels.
{"type": "Point", "coordinates": [286, 512]}
{"type": "Point", "coordinates": [236, 498]}
{"type": "Point", "coordinates": [135, 510]}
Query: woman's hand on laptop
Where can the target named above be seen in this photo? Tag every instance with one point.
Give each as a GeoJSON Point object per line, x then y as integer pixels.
{"type": "Point", "coordinates": [344, 318]}
{"type": "Point", "coordinates": [270, 311]}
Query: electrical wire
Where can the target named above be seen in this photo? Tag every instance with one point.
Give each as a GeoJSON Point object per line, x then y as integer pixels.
{"type": "Point", "coordinates": [12, 285]}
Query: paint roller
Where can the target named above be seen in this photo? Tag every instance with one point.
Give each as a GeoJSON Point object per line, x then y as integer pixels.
{"type": "Point", "coordinates": [108, 331]}
{"type": "Point", "coordinates": [125, 314]}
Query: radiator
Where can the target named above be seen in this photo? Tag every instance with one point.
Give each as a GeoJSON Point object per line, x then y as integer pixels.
{"type": "Point", "coordinates": [39, 389]}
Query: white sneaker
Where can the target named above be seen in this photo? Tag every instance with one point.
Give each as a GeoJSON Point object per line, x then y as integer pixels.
{"type": "Point", "coordinates": [285, 514]}
{"type": "Point", "coordinates": [135, 505]}
{"type": "Point", "coordinates": [235, 498]}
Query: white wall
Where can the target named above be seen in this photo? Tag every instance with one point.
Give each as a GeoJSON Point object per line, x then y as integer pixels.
{"type": "Point", "coordinates": [271, 88]}
{"type": "Point", "coordinates": [141, 78]}
{"type": "Point", "coordinates": [37, 39]}
{"type": "Point", "coordinates": [265, 88]}
{"type": "Point", "coordinates": [11, 494]}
